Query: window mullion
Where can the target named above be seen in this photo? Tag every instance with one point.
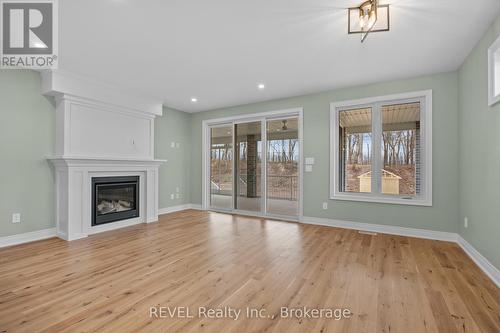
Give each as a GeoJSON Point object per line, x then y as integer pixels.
{"type": "Point", "coordinates": [377, 148]}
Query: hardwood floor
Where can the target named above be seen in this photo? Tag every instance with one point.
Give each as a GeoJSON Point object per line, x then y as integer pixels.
{"type": "Point", "coordinates": [110, 282]}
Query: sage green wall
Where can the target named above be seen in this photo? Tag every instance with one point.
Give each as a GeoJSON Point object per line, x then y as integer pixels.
{"type": "Point", "coordinates": [173, 126]}
{"type": "Point", "coordinates": [442, 216]}
{"type": "Point", "coordinates": [26, 138]}
{"type": "Point", "coordinates": [479, 127]}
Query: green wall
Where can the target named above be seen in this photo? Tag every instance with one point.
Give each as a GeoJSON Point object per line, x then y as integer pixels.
{"type": "Point", "coordinates": [27, 132]}
{"type": "Point", "coordinates": [442, 216]}
{"type": "Point", "coordinates": [479, 127]}
{"type": "Point", "coordinates": [173, 126]}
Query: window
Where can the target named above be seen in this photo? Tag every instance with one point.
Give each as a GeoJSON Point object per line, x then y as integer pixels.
{"type": "Point", "coordinates": [381, 149]}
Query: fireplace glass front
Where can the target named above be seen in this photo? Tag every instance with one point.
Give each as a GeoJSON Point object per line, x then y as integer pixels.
{"type": "Point", "coordinates": [114, 199]}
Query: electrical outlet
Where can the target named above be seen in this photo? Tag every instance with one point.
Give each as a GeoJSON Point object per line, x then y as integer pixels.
{"type": "Point", "coordinates": [325, 205]}
{"type": "Point", "coordinates": [466, 222]}
{"type": "Point", "coordinates": [16, 218]}
{"type": "Point", "coordinates": [172, 196]}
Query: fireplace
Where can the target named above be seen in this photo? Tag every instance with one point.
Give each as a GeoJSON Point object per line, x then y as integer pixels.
{"type": "Point", "coordinates": [114, 199]}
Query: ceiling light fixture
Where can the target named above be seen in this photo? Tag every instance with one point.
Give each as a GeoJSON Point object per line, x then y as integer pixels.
{"type": "Point", "coordinates": [194, 99]}
{"type": "Point", "coordinates": [261, 86]}
{"type": "Point", "coordinates": [368, 17]}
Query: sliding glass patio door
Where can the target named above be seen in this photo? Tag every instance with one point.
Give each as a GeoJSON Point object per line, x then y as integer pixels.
{"type": "Point", "coordinates": [254, 166]}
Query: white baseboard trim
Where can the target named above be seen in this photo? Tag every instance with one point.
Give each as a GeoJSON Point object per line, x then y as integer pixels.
{"type": "Point", "coordinates": [178, 208]}
{"type": "Point", "coordinates": [483, 263]}
{"type": "Point", "coordinates": [383, 229]}
{"type": "Point", "coordinates": [27, 237]}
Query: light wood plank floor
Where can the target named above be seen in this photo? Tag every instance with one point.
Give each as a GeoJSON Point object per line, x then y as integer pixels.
{"type": "Point", "coordinates": [109, 282]}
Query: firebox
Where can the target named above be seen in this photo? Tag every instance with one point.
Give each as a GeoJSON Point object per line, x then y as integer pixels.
{"type": "Point", "coordinates": [114, 199]}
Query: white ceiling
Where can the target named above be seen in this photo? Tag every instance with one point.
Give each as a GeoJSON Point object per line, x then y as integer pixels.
{"type": "Point", "coordinates": [219, 50]}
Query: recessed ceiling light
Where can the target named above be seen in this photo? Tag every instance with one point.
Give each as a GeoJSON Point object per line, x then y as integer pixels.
{"type": "Point", "coordinates": [194, 99]}
{"type": "Point", "coordinates": [261, 86]}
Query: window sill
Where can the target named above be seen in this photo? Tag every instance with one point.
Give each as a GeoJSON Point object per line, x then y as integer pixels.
{"type": "Point", "coordinates": [382, 199]}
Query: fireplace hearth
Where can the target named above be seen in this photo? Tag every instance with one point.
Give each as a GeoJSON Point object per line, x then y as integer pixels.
{"type": "Point", "coordinates": [114, 199]}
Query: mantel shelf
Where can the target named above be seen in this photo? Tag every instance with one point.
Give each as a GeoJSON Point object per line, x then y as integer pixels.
{"type": "Point", "coordinates": [102, 161]}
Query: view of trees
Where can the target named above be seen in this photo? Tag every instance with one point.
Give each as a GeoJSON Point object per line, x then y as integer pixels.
{"type": "Point", "coordinates": [399, 147]}
{"type": "Point", "coordinates": [359, 148]}
{"type": "Point", "coordinates": [282, 167]}
{"type": "Point", "coordinates": [283, 151]}
{"type": "Point", "coordinates": [399, 153]}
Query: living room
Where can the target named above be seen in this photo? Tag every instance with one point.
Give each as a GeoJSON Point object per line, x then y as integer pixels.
{"type": "Point", "coordinates": [249, 166]}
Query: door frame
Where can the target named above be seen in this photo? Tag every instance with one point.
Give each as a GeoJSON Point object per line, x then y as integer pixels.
{"type": "Point", "coordinates": [260, 116]}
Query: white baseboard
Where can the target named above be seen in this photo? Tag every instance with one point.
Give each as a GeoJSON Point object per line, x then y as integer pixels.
{"type": "Point", "coordinates": [178, 208]}
{"type": "Point", "coordinates": [383, 229]}
{"type": "Point", "coordinates": [483, 263]}
{"type": "Point", "coordinates": [27, 237]}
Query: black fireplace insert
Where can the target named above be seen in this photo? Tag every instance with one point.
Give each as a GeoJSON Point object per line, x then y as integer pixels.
{"type": "Point", "coordinates": [114, 199]}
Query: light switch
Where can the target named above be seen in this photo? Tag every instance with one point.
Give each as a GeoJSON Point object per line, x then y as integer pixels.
{"type": "Point", "coordinates": [16, 218]}
{"type": "Point", "coordinates": [309, 168]}
{"type": "Point", "coordinates": [310, 160]}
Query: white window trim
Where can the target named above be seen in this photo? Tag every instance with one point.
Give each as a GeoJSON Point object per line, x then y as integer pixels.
{"type": "Point", "coordinates": [492, 82]}
{"type": "Point", "coordinates": [425, 199]}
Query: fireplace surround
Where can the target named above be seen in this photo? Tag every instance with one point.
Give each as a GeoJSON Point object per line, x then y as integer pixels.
{"type": "Point", "coordinates": [103, 135]}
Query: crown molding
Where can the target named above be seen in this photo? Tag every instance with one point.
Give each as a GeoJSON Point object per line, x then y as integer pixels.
{"type": "Point", "coordinates": [59, 82]}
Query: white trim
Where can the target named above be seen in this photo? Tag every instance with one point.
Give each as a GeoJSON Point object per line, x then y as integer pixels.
{"type": "Point", "coordinates": [260, 116]}
{"type": "Point", "coordinates": [495, 47]}
{"type": "Point", "coordinates": [178, 208]}
{"type": "Point", "coordinates": [483, 263]}
{"type": "Point", "coordinates": [27, 237]}
{"type": "Point", "coordinates": [55, 82]}
{"type": "Point", "coordinates": [383, 229]}
{"type": "Point", "coordinates": [301, 166]}
{"type": "Point", "coordinates": [251, 116]}
{"type": "Point", "coordinates": [426, 137]}
{"type": "Point", "coordinates": [381, 198]}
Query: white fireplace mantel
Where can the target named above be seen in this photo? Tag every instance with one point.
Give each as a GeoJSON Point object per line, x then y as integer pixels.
{"type": "Point", "coordinates": [101, 131]}
{"type": "Point", "coordinates": [74, 192]}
